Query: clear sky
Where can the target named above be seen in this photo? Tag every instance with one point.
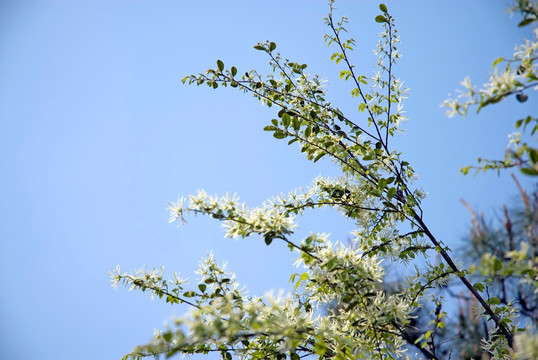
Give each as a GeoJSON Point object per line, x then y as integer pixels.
{"type": "Point", "coordinates": [97, 134]}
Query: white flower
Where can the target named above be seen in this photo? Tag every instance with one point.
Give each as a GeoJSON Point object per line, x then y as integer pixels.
{"type": "Point", "coordinates": [176, 210]}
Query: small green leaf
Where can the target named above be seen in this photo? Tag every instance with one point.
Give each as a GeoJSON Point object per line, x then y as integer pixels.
{"type": "Point", "coordinates": [479, 286]}
{"type": "Point", "coordinates": [272, 46]}
{"type": "Point", "coordinates": [286, 119]}
{"type": "Point", "coordinates": [292, 141]}
{"type": "Point", "coordinates": [533, 155]}
{"type": "Point", "coordinates": [380, 19]}
{"type": "Point", "coordinates": [522, 97]}
{"type": "Point", "coordinates": [259, 47]}
{"type": "Point", "coordinates": [170, 353]}
{"type": "Point", "coordinates": [202, 287]}
{"type": "Point", "coordinates": [529, 171]}
{"type": "Point", "coordinates": [167, 336]}
{"type": "Point", "coordinates": [391, 192]}
{"type": "Point", "coordinates": [189, 294]}
{"type": "Point", "coordinates": [494, 301]}
{"type": "Point", "coordinates": [269, 128]}
{"type": "Point", "coordinates": [296, 123]}
{"type": "Point", "coordinates": [381, 183]}
{"type": "Point", "coordinates": [526, 22]}
{"type": "Point", "coordinates": [319, 156]}
{"type": "Point", "coordinates": [497, 61]}
{"type": "Point", "coordinates": [220, 65]}
{"type": "Point", "coordinates": [279, 134]}
{"type": "Point", "coordinates": [234, 71]}
{"type": "Point", "coordinates": [427, 335]}
{"type": "Point", "coordinates": [383, 8]}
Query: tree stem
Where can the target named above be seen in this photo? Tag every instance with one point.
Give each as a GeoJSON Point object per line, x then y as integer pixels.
{"type": "Point", "coordinates": [465, 281]}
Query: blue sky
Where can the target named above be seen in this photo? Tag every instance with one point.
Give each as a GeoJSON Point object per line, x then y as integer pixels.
{"type": "Point", "coordinates": [97, 135]}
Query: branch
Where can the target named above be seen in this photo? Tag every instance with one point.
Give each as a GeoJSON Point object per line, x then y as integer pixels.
{"type": "Point", "coordinates": [468, 285]}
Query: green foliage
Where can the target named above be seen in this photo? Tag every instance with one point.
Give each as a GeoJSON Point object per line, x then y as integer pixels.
{"type": "Point", "coordinates": [519, 75]}
{"type": "Point", "coordinates": [374, 191]}
{"type": "Point", "coordinates": [503, 261]}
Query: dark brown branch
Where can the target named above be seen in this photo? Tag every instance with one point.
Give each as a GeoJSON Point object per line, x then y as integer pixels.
{"type": "Point", "coordinates": [468, 285]}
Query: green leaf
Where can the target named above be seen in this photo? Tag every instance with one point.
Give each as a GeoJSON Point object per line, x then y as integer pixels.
{"type": "Point", "coordinates": [189, 294]}
{"type": "Point", "coordinates": [522, 97]}
{"type": "Point", "coordinates": [259, 47]}
{"type": "Point", "coordinates": [234, 71]}
{"type": "Point", "coordinates": [381, 183]}
{"type": "Point", "coordinates": [526, 22]}
{"type": "Point", "coordinates": [202, 287]}
{"type": "Point", "coordinates": [304, 276]}
{"type": "Point", "coordinates": [296, 122]}
{"type": "Point", "coordinates": [279, 134]}
{"type": "Point", "coordinates": [270, 128]}
{"type": "Point", "coordinates": [319, 156]}
{"type": "Point", "coordinates": [331, 263]}
{"type": "Point", "coordinates": [427, 335]}
{"type": "Point", "coordinates": [479, 286]}
{"type": "Point", "coordinates": [533, 155]}
{"type": "Point", "coordinates": [220, 65]}
{"type": "Point", "coordinates": [170, 353]}
{"type": "Point", "coordinates": [380, 19]}
{"type": "Point", "coordinates": [272, 46]}
{"type": "Point", "coordinates": [391, 192]}
{"type": "Point", "coordinates": [529, 171]}
{"type": "Point", "coordinates": [383, 8]}
{"type": "Point", "coordinates": [292, 141]}
{"type": "Point", "coordinates": [286, 119]}
{"type": "Point", "coordinates": [497, 61]}
{"type": "Point", "coordinates": [494, 301]}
